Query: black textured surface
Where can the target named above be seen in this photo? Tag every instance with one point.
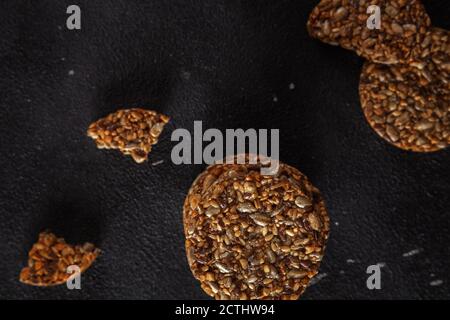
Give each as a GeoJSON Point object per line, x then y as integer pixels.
{"type": "Point", "coordinates": [221, 62]}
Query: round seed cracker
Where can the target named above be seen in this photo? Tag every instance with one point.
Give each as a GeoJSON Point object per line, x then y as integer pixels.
{"type": "Point", "coordinates": [250, 236]}
{"type": "Point", "coordinates": [407, 106]}
{"type": "Point", "coordinates": [404, 24]}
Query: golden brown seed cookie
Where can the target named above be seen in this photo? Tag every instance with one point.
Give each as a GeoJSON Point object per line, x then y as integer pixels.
{"type": "Point", "coordinates": [404, 24]}
{"type": "Point", "coordinates": [49, 258]}
{"type": "Point", "coordinates": [250, 236]}
{"type": "Point", "coordinates": [408, 106]}
{"type": "Point", "coordinates": [132, 131]}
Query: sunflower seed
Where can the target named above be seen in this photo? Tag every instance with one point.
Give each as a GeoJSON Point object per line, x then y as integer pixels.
{"type": "Point", "coordinates": [246, 207]}
{"type": "Point", "coordinates": [297, 274]}
{"type": "Point", "coordinates": [222, 268]}
{"type": "Point", "coordinates": [302, 202]}
{"type": "Point", "coordinates": [212, 211]}
{"type": "Point", "coordinates": [261, 219]}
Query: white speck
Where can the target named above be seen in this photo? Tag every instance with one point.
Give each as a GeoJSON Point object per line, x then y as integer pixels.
{"type": "Point", "coordinates": [59, 27]}
{"type": "Point", "coordinates": [71, 72]}
{"type": "Point", "coordinates": [186, 75]}
{"type": "Point", "coordinates": [342, 272]}
{"type": "Point", "coordinates": [436, 283]}
{"type": "Point", "coordinates": [291, 86]}
{"type": "Point", "coordinates": [28, 100]}
{"type": "Point", "coordinates": [275, 99]}
{"type": "Point", "coordinates": [336, 223]}
{"type": "Point", "coordinates": [317, 278]}
{"type": "Point", "coordinates": [381, 264]}
{"type": "Point", "coordinates": [350, 261]}
{"type": "Point", "coordinates": [432, 275]}
{"type": "Point", "coordinates": [63, 59]}
{"type": "Point", "coordinates": [412, 253]}
{"type": "Point", "coordinates": [157, 162]}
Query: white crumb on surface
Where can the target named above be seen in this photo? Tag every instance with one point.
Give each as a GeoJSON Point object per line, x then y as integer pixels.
{"type": "Point", "coordinates": [412, 253]}
{"type": "Point", "coordinates": [350, 261]}
{"type": "Point", "coordinates": [436, 283]}
{"type": "Point", "coordinates": [157, 162]}
{"type": "Point", "coordinates": [317, 278]}
{"type": "Point", "coordinates": [71, 72]}
{"type": "Point", "coordinates": [186, 75]}
{"type": "Point", "coordinates": [291, 86]}
{"type": "Point", "coordinates": [381, 264]}
{"type": "Point", "coordinates": [275, 99]}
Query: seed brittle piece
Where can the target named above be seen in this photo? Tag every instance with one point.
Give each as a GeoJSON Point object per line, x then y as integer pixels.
{"type": "Point", "coordinates": [252, 236]}
{"type": "Point", "coordinates": [404, 24]}
{"type": "Point", "coordinates": [50, 257]}
{"type": "Point", "coordinates": [409, 105]}
{"type": "Point", "coordinates": [131, 131]}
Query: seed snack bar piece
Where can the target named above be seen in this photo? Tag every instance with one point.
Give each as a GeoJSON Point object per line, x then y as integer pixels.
{"type": "Point", "coordinates": [404, 24]}
{"type": "Point", "coordinates": [49, 258]}
{"type": "Point", "coordinates": [250, 236]}
{"type": "Point", "coordinates": [132, 131]}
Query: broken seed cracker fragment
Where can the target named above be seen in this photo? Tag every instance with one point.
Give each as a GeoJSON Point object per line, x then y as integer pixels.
{"type": "Point", "coordinates": [262, 241]}
{"type": "Point", "coordinates": [131, 131]}
{"type": "Point", "coordinates": [49, 258]}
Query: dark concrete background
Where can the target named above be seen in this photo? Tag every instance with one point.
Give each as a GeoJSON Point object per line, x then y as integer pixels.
{"type": "Point", "coordinates": [222, 62]}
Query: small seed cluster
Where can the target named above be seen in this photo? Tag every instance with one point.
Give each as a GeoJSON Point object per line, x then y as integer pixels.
{"type": "Point", "coordinates": [131, 131]}
{"type": "Point", "coordinates": [49, 258]}
{"type": "Point", "coordinates": [404, 86]}
{"type": "Point", "coordinates": [404, 24]}
{"type": "Point", "coordinates": [250, 236]}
